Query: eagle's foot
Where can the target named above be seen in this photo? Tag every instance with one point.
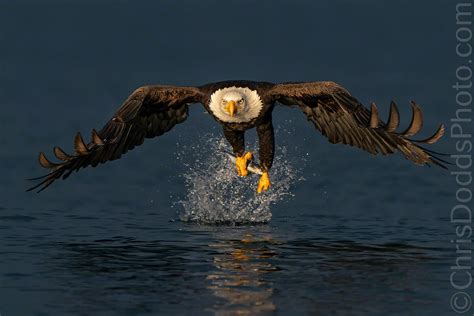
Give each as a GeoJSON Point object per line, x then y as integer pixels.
{"type": "Point", "coordinates": [242, 162]}
{"type": "Point", "coordinates": [264, 182]}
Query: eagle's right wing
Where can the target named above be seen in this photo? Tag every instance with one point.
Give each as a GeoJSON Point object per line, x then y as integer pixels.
{"type": "Point", "coordinates": [149, 111]}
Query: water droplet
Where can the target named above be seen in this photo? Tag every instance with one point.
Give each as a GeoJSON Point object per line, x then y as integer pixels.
{"type": "Point", "coordinates": [216, 195]}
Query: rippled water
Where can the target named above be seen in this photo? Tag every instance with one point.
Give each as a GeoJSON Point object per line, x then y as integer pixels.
{"type": "Point", "coordinates": [169, 229]}
{"type": "Point", "coordinates": [304, 264]}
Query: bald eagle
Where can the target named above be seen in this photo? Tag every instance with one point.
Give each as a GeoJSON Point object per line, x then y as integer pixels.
{"type": "Point", "coordinates": [151, 111]}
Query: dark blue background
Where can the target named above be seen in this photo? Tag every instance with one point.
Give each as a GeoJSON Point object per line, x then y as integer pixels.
{"type": "Point", "coordinates": [66, 66]}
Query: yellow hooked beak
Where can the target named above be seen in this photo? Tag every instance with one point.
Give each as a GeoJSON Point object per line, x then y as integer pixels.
{"type": "Point", "coordinates": [231, 108]}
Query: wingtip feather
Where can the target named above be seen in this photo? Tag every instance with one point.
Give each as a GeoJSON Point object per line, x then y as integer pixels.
{"type": "Point", "coordinates": [393, 118]}
{"type": "Point", "coordinates": [416, 120]}
{"type": "Point", "coordinates": [374, 116]}
{"type": "Point", "coordinates": [44, 162]}
{"type": "Point", "coordinates": [96, 138]}
{"type": "Point", "coordinates": [79, 145]}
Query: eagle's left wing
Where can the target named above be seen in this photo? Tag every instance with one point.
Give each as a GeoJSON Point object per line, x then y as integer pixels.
{"type": "Point", "coordinates": [148, 112]}
{"type": "Point", "coordinates": [343, 119]}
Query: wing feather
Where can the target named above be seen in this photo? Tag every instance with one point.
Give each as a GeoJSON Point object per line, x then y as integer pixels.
{"type": "Point", "coordinates": [148, 112]}
{"type": "Point", "coordinates": [416, 121]}
{"type": "Point", "coordinates": [393, 119]}
{"type": "Point", "coordinates": [343, 119]}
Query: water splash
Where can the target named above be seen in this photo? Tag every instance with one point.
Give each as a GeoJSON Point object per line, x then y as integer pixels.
{"type": "Point", "coordinates": [216, 195]}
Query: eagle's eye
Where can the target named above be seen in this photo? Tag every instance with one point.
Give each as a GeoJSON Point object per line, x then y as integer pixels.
{"type": "Point", "coordinates": [224, 101]}
{"type": "Point", "coordinates": [241, 101]}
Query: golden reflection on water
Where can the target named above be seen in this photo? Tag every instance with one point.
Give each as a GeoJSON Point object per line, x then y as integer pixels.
{"type": "Point", "coordinates": [239, 278]}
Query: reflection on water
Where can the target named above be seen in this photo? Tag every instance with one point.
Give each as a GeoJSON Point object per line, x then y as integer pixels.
{"type": "Point", "coordinates": [233, 270]}
{"type": "Point", "coordinates": [239, 279]}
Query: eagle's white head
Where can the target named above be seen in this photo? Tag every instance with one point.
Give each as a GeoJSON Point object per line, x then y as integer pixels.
{"type": "Point", "coordinates": [235, 104]}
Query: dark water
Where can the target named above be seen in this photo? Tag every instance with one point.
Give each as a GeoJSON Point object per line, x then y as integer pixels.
{"type": "Point", "coordinates": [359, 235]}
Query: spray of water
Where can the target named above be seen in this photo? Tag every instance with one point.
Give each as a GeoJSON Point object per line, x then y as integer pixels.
{"type": "Point", "coordinates": [216, 195]}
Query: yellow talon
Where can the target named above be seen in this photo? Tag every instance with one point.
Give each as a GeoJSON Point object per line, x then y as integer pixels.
{"type": "Point", "coordinates": [242, 162]}
{"type": "Point", "coordinates": [264, 182]}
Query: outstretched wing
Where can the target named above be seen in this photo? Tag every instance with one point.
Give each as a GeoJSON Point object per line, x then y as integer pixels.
{"type": "Point", "coordinates": [148, 112]}
{"type": "Point", "coordinates": [343, 119]}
